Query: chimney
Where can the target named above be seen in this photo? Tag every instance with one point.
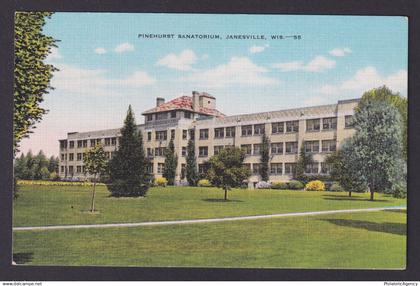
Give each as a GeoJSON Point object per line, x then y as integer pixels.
{"type": "Point", "coordinates": [159, 101]}
{"type": "Point", "coordinates": [195, 100]}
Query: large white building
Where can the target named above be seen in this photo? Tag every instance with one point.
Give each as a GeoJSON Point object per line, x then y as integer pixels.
{"type": "Point", "coordinates": [320, 128]}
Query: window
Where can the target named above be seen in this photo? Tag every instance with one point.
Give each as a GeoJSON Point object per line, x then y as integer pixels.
{"type": "Point", "coordinates": [79, 143]}
{"type": "Point", "coordinates": [184, 151]}
{"type": "Point", "coordinates": [277, 127]}
{"type": "Point", "coordinates": [217, 149]}
{"type": "Point", "coordinates": [312, 146]}
{"type": "Point", "coordinates": [71, 144]}
{"type": "Point", "coordinates": [277, 148]}
{"type": "Point", "coordinates": [98, 141]}
{"type": "Point", "coordinates": [107, 141]}
{"type": "Point", "coordinates": [112, 154]}
{"type": "Point", "coordinates": [71, 170]}
{"type": "Point", "coordinates": [149, 136]}
{"type": "Point", "coordinates": [62, 169]}
{"type": "Point", "coordinates": [71, 157]}
{"type": "Point", "coordinates": [203, 151]}
{"type": "Point", "coordinates": [202, 168]}
{"type": "Point", "coordinates": [328, 145]}
{"type": "Point", "coordinates": [149, 152]}
{"type": "Point", "coordinates": [149, 168]}
{"type": "Point", "coordinates": [173, 134]}
{"type": "Point", "coordinates": [230, 131]}
{"type": "Point", "coordinates": [204, 134]}
{"type": "Point", "coordinates": [92, 142]}
{"type": "Point", "coordinates": [291, 147]}
{"type": "Point", "coordinates": [161, 115]}
{"type": "Point", "coordinates": [173, 114]}
{"type": "Point", "coordinates": [62, 157]}
{"type": "Point", "coordinates": [184, 134]}
{"type": "Point", "coordinates": [160, 151]}
{"type": "Point", "coordinates": [256, 168]}
{"type": "Point", "coordinates": [257, 149]}
{"type": "Point", "coordinates": [187, 114]}
{"type": "Point", "coordinates": [149, 117]}
{"type": "Point", "coordinates": [259, 129]}
{"type": "Point", "coordinates": [161, 167]}
{"type": "Point", "coordinates": [107, 155]}
{"type": "Point", "coordinates": [276, 168]}
{"type": "Point", "coordinates": [313, 124]}
{"type": "Point", "coordinates": [192, 134]}
{"type": "Point", "coordinates": [183, 171]}
{"type": "Point", "coordinates": [161, 135]}
{"type": "Point", "coordinates": [247, 148]}
{"type": "Point", "coordinates": [78, 169]}
{"type": "Point", "coordinates": [219, 132]}
{"type": "Point", "coordinates": [348, 121]}
{"type": "Point", "coordinates": [84, 143]}
{"type": "Point", "coordinates": [329, 123]}
{"type": "Point", "coordinates": [63, 144]}
{"type": "Point", "coordinates": [84, 169]}
{"type": "Point", "coordinates": [246, 130]}
{"type": "Point", "coordinates": [289, 168]}
{"type": "Point", "coordinates": [248, 166]}
{"type": "Point", "coordinates": [292, 126]}
{"type": "Point", "coordinates": [79, 156]}
{"type": "Point", "coordinates": [312, 168]}
{"type": "Point", "coordinates": [325, 168]}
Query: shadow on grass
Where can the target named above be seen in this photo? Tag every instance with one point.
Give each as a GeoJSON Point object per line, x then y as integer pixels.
{"type": "Point", "coordinates": [23, 257]}
{"type": "Point", "coordinates": [347, 198]}
{"type": "Point", "coordinates": [386, 227]}
{"type": "Point", "coordinates": [222, 201]}
{"type": "Point", "coordinates": [396, 211]}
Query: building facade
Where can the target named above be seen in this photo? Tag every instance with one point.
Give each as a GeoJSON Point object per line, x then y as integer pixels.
{"type": "Point", "coordinates": [320, 129]}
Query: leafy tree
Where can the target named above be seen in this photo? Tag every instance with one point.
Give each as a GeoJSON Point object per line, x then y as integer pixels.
{"type": "Point", "coordinates": [128, 176]}
{"type": "Point", "coordinates": [191, 168]}
{"type": "Point", "coordinates": [31, 75]}
{"type": "Point", "coordinates": [265, 157]}
{"type": "Point", "coordinates": [378, 145]}
{"type": "Point", "coordinates": [41, 166]}
{"type": "Point", "coordinates": [171, 162]}
{"type": "Point", "coordinates": [226, 169]}
{"type": "Point", "coordinates": [53, 164]}
{"type": "Point", "coordinates": [95, 161]}
{"type": "Point", "coordinates": [304, 160]}
{"type": "Point", "coordinates": [20, 168]}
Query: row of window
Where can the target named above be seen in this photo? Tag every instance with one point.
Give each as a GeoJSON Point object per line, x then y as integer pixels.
{"type": "Point", "coordinates": [111, 141]}
{"type": "Point", "coordinates": [166, 115]}
{"type": "Point", "coordinates": [79, 156]}
{"type": "Point", "coordinates": [290, 168]}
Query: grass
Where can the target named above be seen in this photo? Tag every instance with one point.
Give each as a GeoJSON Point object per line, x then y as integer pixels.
{"type": "Point", "coordinates": [62, 205]}
{"type": "Point", "coordinates": [356, 240]}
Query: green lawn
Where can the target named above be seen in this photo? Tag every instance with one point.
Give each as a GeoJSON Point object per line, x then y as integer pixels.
{"type": "Point", "coordinates": [52, 205]}
{"type": "Point", "coordinates": [357, 240]}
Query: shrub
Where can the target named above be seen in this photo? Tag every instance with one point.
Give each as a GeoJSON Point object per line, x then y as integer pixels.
{"type": "Point", "coordinates": [295, 185]}
{"type": "Point", "coordinates": [316, 185]}
{"type": "Point", "coordinates": [336, 187]}
{"type": "Point", "coordinates": [280, 186]}
{"type": "Point", "coordinates": [161, 182]}
{"type": "Point", "coordinates": [263, 185]}
{"type": "Point", "coordinates": [204, 183]}
{"type": "Point", "coordinates": [122, 188]}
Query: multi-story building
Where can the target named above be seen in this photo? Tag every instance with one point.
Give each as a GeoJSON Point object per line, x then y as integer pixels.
{"type": "Point", "coordinates": [320, 128]}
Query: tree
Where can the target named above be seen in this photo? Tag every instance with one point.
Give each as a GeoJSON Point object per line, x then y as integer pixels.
{"type": "Point", "coordinates": [304, 160]}
{"type": "Point", "coordinates": [21, 168]}
{"type": "Point", "coordinates": [40, 167]}
{"type": "Point", "coordinates": [31, 75]}
{"type": "Point", "coordinates": [53, 164]}
{"type": "Point", "coordinates": [191, 169]}
{"type": "Point", "coordinates": [171, 162]}
{"type": "Point", "coordinates": [95, 162]}
{"type": "Point", "coordinates": [378, 145]}
{"type": "Point", "coordinates": [226, 169]}
{"type": "Point", "coordinates": [128, 176]}
{"type": "Point", "coordinates": [265, 157]}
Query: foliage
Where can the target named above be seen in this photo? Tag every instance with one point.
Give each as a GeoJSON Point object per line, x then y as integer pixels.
{"type": "Point", "coordinates": [336, 187]}
{"type": "Point", "coordinates": [315, 186]}
{"type": "Point", "coordinates": [171, 162]}
{"type": "Point", "coordinates": [265, 157]}
{"type": "Point", "coordinates": [280, 186]}
{"type": "Point", "coordinates": [226, 169]}
{"type": "Point", "coordinates": [295, 185]}
{"type": "Point", "coordinates": [31, 74]}
{"type": "Point", "coordinates": [38, 167]}
{"type": "Point", "coordinates": [15, 188]}
{"type": "Point", "coordinates": [161, 182]}
{"type": "Point", "coordinates": [191, 168]}
{"type": "Point", "coordinates": [204, 183]}
{"type": "Point", "coordinates": [263, 185]}
{"type": "Point", "coordinates": [304, 160]}
{"type": "Point", "coordinates": [128, 176]}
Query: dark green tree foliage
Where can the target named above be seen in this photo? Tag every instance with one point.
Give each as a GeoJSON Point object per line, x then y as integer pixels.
{"type": "Point", "coordinates": [128, 176]}
{"type": "Point", "coordinates": [304, 160]}
{"type": "Point", "coordinates": [265, 157]}
{"type": "Point", "coordinates": [36, 167]}
{"type": "Point", "coordinates": [95, 162]}
{"type": "Point", "coordinates": [226, 169]}
{"type": "Point", "coordinates": [53, 164]}
{"type": "Point", "coordinates": [31, 75]}
{"type": "Point", "coordinates": [378, 145]}
{"type": "Point", "coordinates": [191, 168]}
{"type": "Point", "coordinates": [171, 162]}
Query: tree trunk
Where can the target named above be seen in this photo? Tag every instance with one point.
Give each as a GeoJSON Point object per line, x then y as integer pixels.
{"type": "Point", "coordinates": [225, 194]}
{"type": "Point", "coordinates": [92, 205]}
{"type": "Point", "coordinates": [350, 194]}
{"type": "Point", "coordinates": [372, 192]}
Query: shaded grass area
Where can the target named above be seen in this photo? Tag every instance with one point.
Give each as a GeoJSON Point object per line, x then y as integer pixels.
{"type": "Point", "coordinates": [353, 240]}
{"type": "Point", "coordinates": [63, 205]}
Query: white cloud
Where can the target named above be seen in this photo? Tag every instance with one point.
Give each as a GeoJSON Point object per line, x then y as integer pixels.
{"type": "Point", "coordinates": [258, 49]}
{"type": "Point", "coordinates": [53, 55]}
{"type": "Point", "coordinates": [340, 52]}
{"type": "Point", "coordinates": [368, 78]}
{"type": "Point", "coordinates": [100, 51]}
{"type": "Point", "coordinates": [124, 47]}
{"type": "Point", "coordinates": [183, 61]}
{"type": "Point", "coordinates": [317, 64]}
{"type": "Point", "coordinates": [239, 70]}
{"type": "Point", "coordinates": [312, 101]}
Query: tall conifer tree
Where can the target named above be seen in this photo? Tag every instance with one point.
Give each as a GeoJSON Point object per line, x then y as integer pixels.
{"type": "Point", "coordinates": [171, 162]}
{"type": "Point", "coordinates": [192, 175]}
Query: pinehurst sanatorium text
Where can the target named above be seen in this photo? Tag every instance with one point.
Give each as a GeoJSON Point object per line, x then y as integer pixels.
{"type": "Point", "coordinates": [216, 36]}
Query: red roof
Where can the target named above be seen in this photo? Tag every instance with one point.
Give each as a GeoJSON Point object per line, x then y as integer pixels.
{"type": "Point", "coordinates": [184, 103]}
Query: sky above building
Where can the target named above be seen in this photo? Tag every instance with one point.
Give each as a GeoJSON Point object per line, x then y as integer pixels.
{"type": "Point", "coordinates": [107, 61]}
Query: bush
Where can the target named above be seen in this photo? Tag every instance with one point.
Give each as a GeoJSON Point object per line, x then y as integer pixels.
{"type": "Point", "coordinates": [203, 183]}
{"type": "Point", "coordinates": [295, 185]}
{"type": "Point", "coordinates": [316, 185]}
{"type": "Point", "coordinates": [263, 185]}
{"type": "Point", "coordinates": [280, 186]}
{"type": "Point", "coordinates": [161, 182]}
{"type": "Point", "coordinates": [54, 176]}
{"type": "Point", "coordinates": [336, 187]}
{"type": "Point", "coordinates": [122, 188]}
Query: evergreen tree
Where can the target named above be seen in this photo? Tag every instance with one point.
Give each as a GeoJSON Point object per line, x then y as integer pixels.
{"type": "Point", "coordinates": [30, 166]}
{"type": "Point", "coordinates": [127, 169]}
{"type": "Point", "coordinates": [171, 162]}
{"type": "Point", "coordinates": [265, 157]}
{"type": "Point", "coordinates": [304, 160]}
{"type": "Point", "coordinates": [21, 168]}
{"type": "Point", "coordinates": [53, 164]}
{"type": "Point", "coordinates": [191, 168]}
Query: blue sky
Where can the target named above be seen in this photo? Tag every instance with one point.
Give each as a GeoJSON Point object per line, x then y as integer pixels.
{"type": "Point", "coordinates": [104, 66]}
